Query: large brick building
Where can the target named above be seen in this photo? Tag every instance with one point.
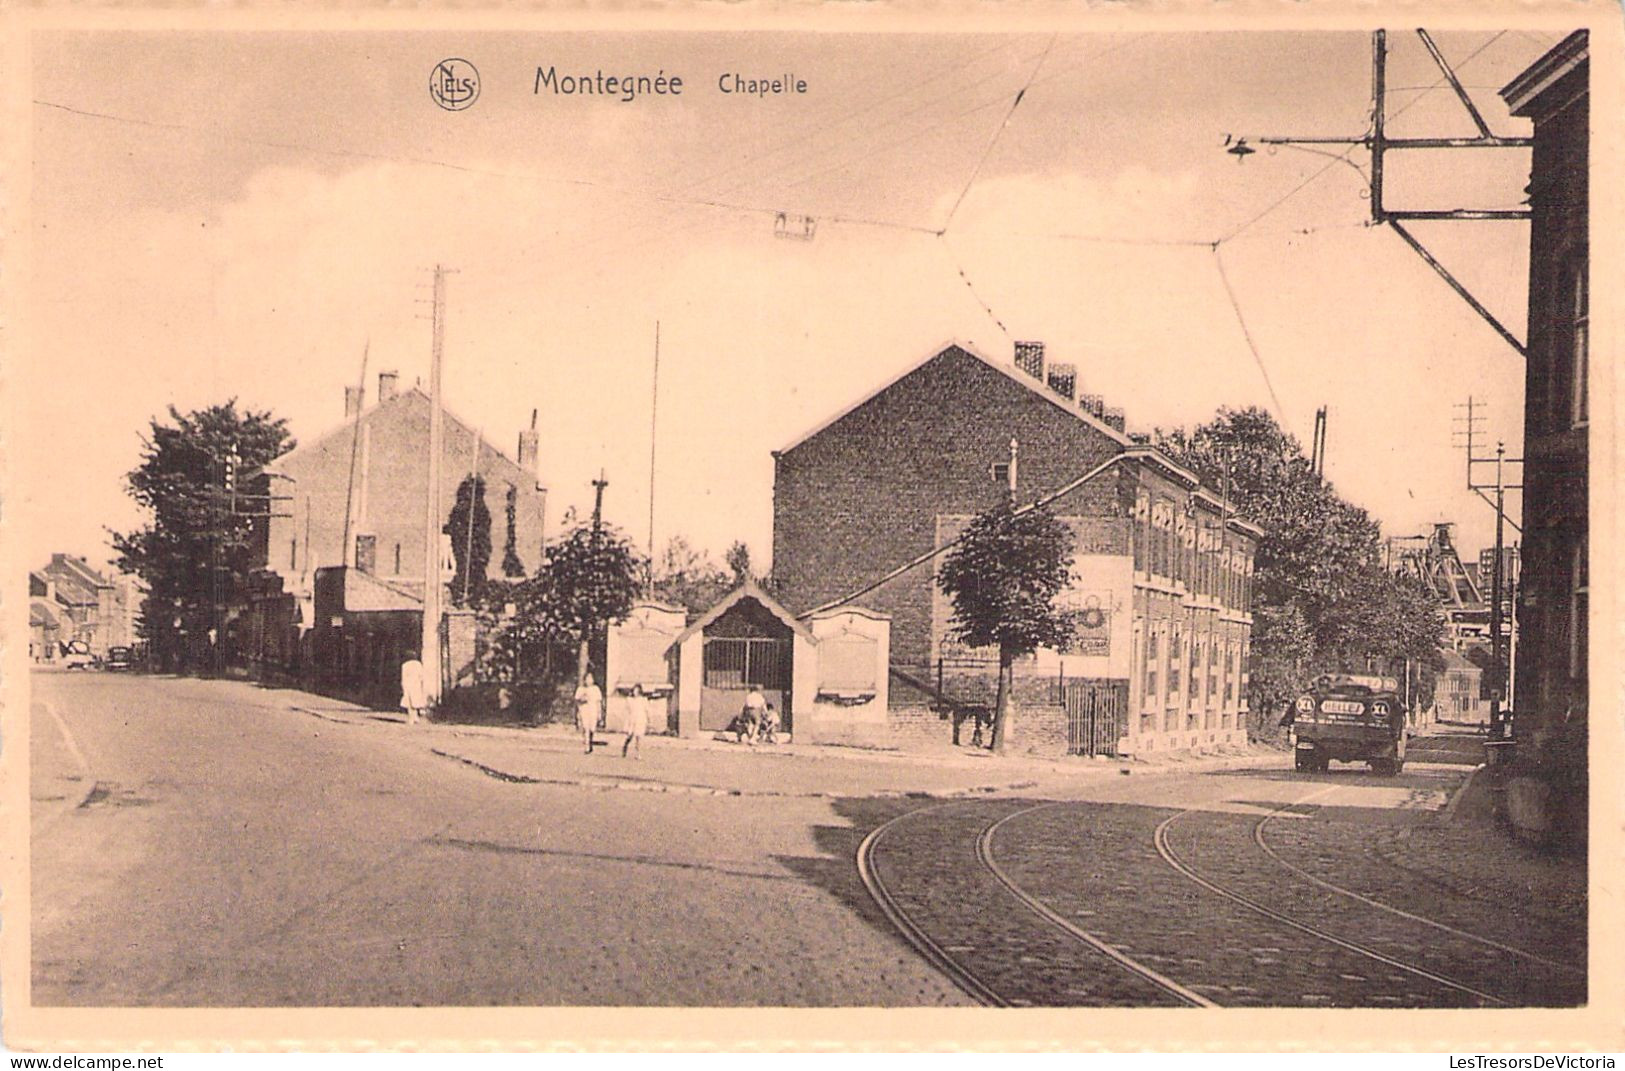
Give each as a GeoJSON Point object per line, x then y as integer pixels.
{"type": "Point", "coordinates": [380, 480]}
{"type": "Point", "coordinates": [1162, 575]}
{"type": "Point", "coordinates": [1553, 594]}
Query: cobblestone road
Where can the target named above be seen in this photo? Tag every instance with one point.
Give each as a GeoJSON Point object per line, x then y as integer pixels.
{"type": "Point", "coordinates": [1385, 904]}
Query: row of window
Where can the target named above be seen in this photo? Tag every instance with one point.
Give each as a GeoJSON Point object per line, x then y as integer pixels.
{"type": "Point", "coordinates": [1213, 672]}
{"type": "Point", "coordinates": [1192, 551]}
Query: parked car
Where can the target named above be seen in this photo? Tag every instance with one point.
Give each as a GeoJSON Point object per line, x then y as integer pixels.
{"type": "Point", "coordinates": [76, 655]}
{"type": "Point", "coordinates": [118, 658]}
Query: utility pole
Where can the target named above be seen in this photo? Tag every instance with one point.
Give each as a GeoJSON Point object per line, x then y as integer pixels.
{"type": "Point", "coordinates": [347, 548]}
{"type": "Point", "coordinates": [587, 627]}
{"type": "Point", "coordinates": [432, 612]}
{"type": "Point", "coordinates": [654, 414]}
{"type": "Point", "coordinates": [1498, 727]}
{"type": "Point", "coordinates": [1500, 692]}
{"type": "Point", "coordinates": [1317, 462]}
{"type": "Point", "coordinates": [1378, 143]}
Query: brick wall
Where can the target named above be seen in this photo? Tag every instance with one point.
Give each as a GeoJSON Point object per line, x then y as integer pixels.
{"type": "Point", "coordinates": [861, 496]}
{"type": "Point", "coordinates": [389, 488]}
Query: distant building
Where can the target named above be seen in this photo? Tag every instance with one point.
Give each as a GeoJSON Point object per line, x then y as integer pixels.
{"type": "Point", "coordinates": [71, 600]}
{"type": "Point", "coordinates": [1458, 693]}
{"type": "Point", "coordinates": [1552, 677]}
{"type": "Point", "coordinates": [379, 479]}
{"type": "Point", "coordinates": [1162, 579]}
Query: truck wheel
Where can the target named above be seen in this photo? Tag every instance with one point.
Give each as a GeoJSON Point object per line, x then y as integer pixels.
{"type": "Point", "coordinates": [1304, 760]}
{"type": "Point", "coordinates": [1384, 767]}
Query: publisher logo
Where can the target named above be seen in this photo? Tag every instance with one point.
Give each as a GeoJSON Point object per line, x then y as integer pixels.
{"type": "Point", "coordinates": [455, 84]}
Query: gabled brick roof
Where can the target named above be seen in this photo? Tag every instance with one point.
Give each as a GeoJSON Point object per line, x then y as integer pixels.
{"type": "Point", "coordinates": [417, 393]}
{"type": "Point", "coordinates": [1023, 380]}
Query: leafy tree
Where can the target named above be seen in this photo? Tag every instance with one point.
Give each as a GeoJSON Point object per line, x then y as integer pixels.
{"type": "Point", "coordinates": [587, 580]}
{"type": "Point", "coordinates": [738, 562]}
{"type": "Point", "coordinates": [469, 527]}
{"type": "Point", "coordinates": [1003, 578]}
{"type": "Point", "coordinates": [1322, 597]}
{"type": "Point", "coordinates": [690, 578]}
{"type": "Point", "coordinates": [196, 550]}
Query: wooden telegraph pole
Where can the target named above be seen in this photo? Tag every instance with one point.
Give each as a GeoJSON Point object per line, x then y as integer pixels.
{"type": "Point", "coordinates": [597, 527]}
{"type": "Point", "coordinates": [432, 612]}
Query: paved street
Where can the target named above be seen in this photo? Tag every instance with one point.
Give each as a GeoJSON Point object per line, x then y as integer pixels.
{"type": "Point", "coordinates": [215, 843]}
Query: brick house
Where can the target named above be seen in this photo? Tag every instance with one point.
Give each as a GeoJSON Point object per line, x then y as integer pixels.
{"type": "Point", "coordinates": [310, 489]}
{"type": "Point", "coordinates": [1162, 576]}
{"type": "Point", "coordinates": [1552, 672]}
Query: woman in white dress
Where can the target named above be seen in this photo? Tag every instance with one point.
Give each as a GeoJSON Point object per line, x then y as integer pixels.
{"type": "Point", "coordinates": [637, 720]}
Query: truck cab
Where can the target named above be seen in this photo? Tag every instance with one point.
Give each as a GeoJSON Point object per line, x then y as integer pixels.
{"type": "Point", "coordinates": [1348, 717]}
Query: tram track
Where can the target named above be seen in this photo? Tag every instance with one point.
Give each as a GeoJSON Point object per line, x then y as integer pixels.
{"type": "Point", "coordinates": [1454, 931]}
{"type": "Point", "coordinates": [1182, 866]}
{"type": "Point", "coordinates": [949, 957]}
{"type": "Point", "coordinates": [1126, 965]}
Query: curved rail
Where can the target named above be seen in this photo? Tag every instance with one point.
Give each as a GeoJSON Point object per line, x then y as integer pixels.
{"type": "Point", "coordinates": [1172, 858]}
{"type": "Point", "coordinates": [933, 953]}
{"type": "Point", "coordinates": [1258, 837]}
{"type": "Point", "coordinates": [984, 853]}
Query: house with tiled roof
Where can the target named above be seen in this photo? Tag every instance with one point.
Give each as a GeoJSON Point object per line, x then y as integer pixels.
{"type": "Point", "coordinates": [867, 501]}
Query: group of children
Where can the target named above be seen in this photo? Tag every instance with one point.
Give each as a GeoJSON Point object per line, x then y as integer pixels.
{"type": "Point", "coordinates": [590, 706]}
{"type": "Point", "coordinates": [757, 723]}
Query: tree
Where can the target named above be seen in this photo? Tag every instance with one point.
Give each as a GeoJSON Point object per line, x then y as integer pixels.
{"type": "Point", "coordinates": [689, 578]}
{"type": "Point", "coordinates": [1323, 599]}
{"type": "Point", "coordinates": [1003, 578]}
{"type": "Point", "coordinates": [738, 562]}
{"type": "Point", "coordinates": [587, 580]}
{"type": "Point", "coordinates": [469, 527]}
{"type": "Point", "coordinates": [195, 552]}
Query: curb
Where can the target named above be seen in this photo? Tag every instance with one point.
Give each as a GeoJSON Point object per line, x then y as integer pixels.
{"type": "Point", "coordinates": [607, 784]}
{"type": "Point", "coordinates": [1449, 812]}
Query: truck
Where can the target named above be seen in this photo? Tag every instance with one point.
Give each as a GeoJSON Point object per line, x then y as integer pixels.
{"type": "Point", "coordinates": [1348, 717]}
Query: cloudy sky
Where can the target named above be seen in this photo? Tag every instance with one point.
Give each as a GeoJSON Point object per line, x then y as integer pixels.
{"type": "Point", "coordinates": [244, 225]}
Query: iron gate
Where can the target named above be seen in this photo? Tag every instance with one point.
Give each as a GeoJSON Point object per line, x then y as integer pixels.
{"type": "Point", "coordinates": [1094, 716]}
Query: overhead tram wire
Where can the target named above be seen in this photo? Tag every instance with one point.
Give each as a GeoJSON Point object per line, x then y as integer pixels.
{"type": "Point", "coordinates": [1258, 358]}
{"type": "Point", "coordinates": [994, 140]}
{"type": "Point", "coordinates": [1397, 112]}
{"type": "Point", "coordinates": [801, 140]}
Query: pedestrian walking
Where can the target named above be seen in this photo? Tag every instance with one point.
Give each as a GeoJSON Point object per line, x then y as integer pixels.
{"type": "Point", "coordinates": [637, 720]}
{"type": "Point", "coordinates": [414, 690]}
{"type": "Point", "coordinates": [589, 705]}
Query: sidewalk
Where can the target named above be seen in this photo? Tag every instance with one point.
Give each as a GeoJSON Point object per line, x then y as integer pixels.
{"type": "Point", "coordinates": [553, 755]}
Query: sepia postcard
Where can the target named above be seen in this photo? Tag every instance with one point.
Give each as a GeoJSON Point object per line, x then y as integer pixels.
{"type": "Point", "coordinates": [811, 526]}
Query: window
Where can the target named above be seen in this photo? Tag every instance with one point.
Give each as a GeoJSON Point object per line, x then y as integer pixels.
{"type": "Point", "coordinates": [1001, 473]}
{"type": "Point", "coordinates": [397, 559]}
{"type": "Point", "coordinates": [1579, 631]}
{"type": "Point", "coordinates": [366, 553]}
{"type": "Point", "coordinates": [1581, 356]}
{"type": "Point", "coordinates": [293, 553]}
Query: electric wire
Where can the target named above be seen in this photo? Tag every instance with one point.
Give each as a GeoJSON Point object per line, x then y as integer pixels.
{"type": "Point", "coordinates": [994, 140]}
{"type": "Point", "coordinates": [1230, 292]}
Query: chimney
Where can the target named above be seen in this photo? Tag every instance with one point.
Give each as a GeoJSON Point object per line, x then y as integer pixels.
{"type": "Point", "coordinates": [1030, 359]}
{"type": "Point", "coordinates": [353, 397]}
{"type": "Point", "coordinates": [529, 446]}
{"type": "Point", "coordinates": [1116, 419]}
{"type": "Point", "coordinates": [1063, 380]}
{"type": "Point", "coordinates": [1093, 404]}
{"type": "Point", "coordinates": [388, 384]}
